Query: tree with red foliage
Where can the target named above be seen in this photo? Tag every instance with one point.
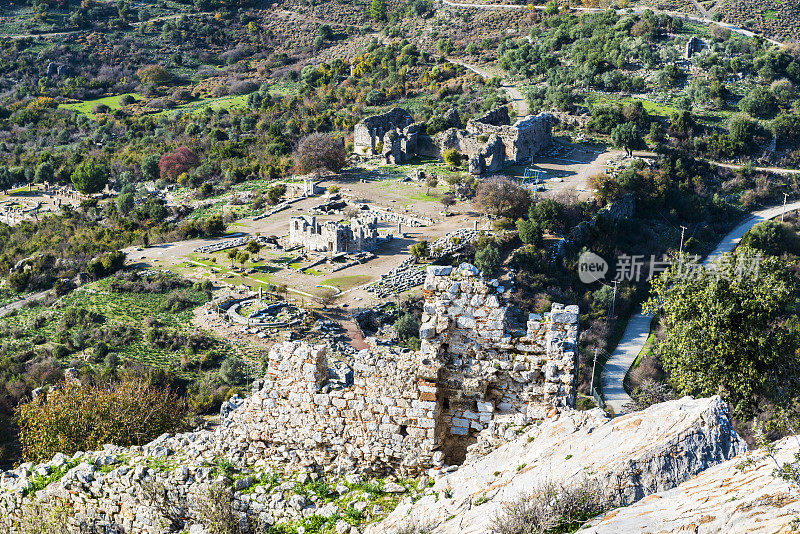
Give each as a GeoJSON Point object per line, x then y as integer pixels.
{"type": "Point", "coordinates": [174, 164]}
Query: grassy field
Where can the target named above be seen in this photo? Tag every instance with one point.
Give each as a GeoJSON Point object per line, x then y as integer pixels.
{"type": "Point", "coordinates": [33, 325]}
{"type": "Point", "coordinates": [87, 106]}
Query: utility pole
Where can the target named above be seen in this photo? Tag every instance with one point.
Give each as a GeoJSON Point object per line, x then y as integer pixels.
{"type": "Point", "coordinates": [613, 299]}
{"type": "Point", "coordinates": [784, 206]}
{"type": "Point", "coordinates": [683, 230]}
{"type": "Point", "coordinates": [594, 363]}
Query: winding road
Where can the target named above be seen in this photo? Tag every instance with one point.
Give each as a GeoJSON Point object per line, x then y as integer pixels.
{"type": "Point", "coordinates": [635, 11]}
{"type": "Point", "coordinates": [638, 329]}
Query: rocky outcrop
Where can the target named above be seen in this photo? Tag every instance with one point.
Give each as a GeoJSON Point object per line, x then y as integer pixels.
{"type": "Point", "coordinates": [632, 456]}
{"type": "Point", "coordinates": [742, 495]}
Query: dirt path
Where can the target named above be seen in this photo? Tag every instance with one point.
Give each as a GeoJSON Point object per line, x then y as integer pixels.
{"type": "Point", "coordinates": [517, 99]}
{"type": "Point", "coordinates": [17, 304]}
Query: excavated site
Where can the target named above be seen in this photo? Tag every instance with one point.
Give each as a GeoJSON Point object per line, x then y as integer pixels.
{"type": "Point", "coordinates": [447, 436]}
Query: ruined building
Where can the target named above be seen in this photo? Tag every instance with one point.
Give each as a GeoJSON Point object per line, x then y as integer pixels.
{"type": "Point", "coordinates": [335, 237]}
{"type": "Point", "coordinates": [394, 409]}
{"type": "Point", "coordinates": [392, 135]}
{"type": "Point", "coordinates": [489, 142]}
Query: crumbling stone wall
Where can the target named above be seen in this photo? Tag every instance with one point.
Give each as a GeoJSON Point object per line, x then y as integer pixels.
{"type": "Point", "coordinates": [489, 142]}
{"type": "Point", "coordinates": [360, 234]}
{"type": "Point", "coordinates": [401, 408]}
{"type": "Point", "coordinates": [380, 418]}
{"type": "Point", "coordinates": [486, 373]}
{"type": "Point", "coordinates": [395, 129]}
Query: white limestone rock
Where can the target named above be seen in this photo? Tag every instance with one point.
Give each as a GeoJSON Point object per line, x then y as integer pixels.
{"type": "Point", "coordinates": [741, 495]}
{"type": "Point", "coordinates": [642, 453]}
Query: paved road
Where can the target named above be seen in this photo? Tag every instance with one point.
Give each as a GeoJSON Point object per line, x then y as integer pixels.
{"type": "Point", "coordinates": [638, 329]}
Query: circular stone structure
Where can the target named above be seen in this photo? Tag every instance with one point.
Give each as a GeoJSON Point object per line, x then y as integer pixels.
{"type": "Point", "coordinates": [279, 314]}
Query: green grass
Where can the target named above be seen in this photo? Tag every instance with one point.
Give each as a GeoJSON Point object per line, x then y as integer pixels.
{"type": "Point", "coordinates": [119, 309]}
{"type": "Point", "coordinates": [87, 106]}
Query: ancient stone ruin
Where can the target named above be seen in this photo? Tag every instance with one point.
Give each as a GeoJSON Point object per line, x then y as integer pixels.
{"type": "Point", "coordinates": [400, 409]}
{"type": "Point", "coordinates": [392, 135]}
{"type": "Point", "coordinates": [489, 142]}
{"type": "Point", "coordinates": [334, 237]}
{"type": "Point", "coordinates": [694, 46]}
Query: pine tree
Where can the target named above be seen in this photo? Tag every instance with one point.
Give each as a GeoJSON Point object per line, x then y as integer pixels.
{"type": "Point", "coordinates": [377, 10]}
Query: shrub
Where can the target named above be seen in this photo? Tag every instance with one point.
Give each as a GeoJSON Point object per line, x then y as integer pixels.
{"type": "Point", "coordinates": [76, 417]}
{"type": "Point", "coordinates": [233, 371]}
{"type": "Point", "coordinates": [154, 74]}
{"type": "Point", "coordinates": [173, 165]}
{"type": "Point", "coordinates": [488, 259]}
{"type": "Point", "coordinates": [407, 326]}
{"type": "Point", "coordinates": [552, 508]}
{"type": "Point", "coordinates": [647, 394]}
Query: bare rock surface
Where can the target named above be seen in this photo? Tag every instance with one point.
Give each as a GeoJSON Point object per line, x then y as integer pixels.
{"type": "Point", "coordinates": [632, 456]}
{"type": "Point", "coordinates": [742, 495]}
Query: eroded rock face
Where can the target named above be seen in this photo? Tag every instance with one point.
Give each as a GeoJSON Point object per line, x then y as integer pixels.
{"type": "Point", "coordinates": [633, 456]}
{"type": "Point", "coordinates": [738, 496]}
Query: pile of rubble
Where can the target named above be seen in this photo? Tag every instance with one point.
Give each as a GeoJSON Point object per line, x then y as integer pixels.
{"type": "Point", "coordinates": [408, 274]}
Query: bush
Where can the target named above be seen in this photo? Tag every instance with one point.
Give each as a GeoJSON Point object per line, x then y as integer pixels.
{"type": "Point", "coordinates": [320, 151]}
{"type": "Point", "coordinates": [407, 326]}
{"type": "Point", "coordinates": [647, 394]}
{"type": "Point", "coordinates": [173, 165]}
{"type": "Point", "coordinates": [773, 238]}
{"type": "Point", "coordinates": [553, 508]}
{"type": "Point", "coordinates": [488, 259]}
{"type": "Point", "coordinates": [233, 371]}
{"type": "Point", "coordinates": [76, 417]}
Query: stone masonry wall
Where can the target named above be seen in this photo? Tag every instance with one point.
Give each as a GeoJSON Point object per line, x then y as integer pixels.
{"type": "Point", "coordinates": [400, 408]}
{"type": "Point", "coordinates": [385, 419]}
{"type": "Point", "coordinates": [485, 373]}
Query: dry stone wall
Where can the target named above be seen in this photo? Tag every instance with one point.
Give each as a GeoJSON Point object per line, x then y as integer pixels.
{"type": "Point", "coordinates": [381, 422]}
{"type": "Point", "coordinates": [403, 407]}
{"type": "Point", "coordinates": [487, 374]}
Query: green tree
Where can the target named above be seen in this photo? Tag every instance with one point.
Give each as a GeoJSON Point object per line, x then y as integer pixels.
{"type": "Point", "coordinates": [420, 250]}
{"type": "Point", "coordinates": [723, 332]}
{"type": "Point", "coordinates": [759, 102]}
{"type": "Point", "coordinates": [150, 170]}
{"type": "Point", "coordinates": [233, 371]}
{"type": "Point", "coordinates": [773, 238]}
{"type": "Point", "coordinates": [529, 232]}
{"type": "Point", "coordinates": [452, 157]}
{"type": "Point", "coordinates": [377, 10]}
{"type": "Point", "coordinates": [90, 177]}
{"type": "Point", "coordinates": [626, 136]}
{"type": "Point", "coordinates": [406, 326]}
{"type": "Point", "coordinates": [488, 259]}
{"type": "Point", "coordinates": [253, 247]}
{"type": "Point", "coordinates": [548, 214]}
{"type": "Point", "coordinates": [44, 172]}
